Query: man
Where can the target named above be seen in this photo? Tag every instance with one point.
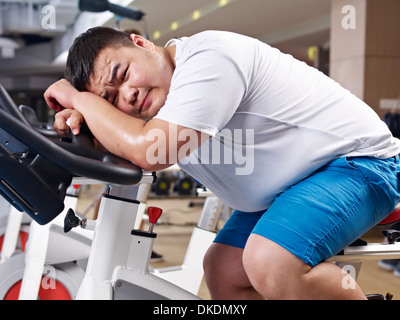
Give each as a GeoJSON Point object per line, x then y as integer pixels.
{"type": "Point", "coordinates": [307, 165]}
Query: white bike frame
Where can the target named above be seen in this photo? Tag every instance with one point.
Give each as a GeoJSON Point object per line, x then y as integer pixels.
{"type": "Point", "coordinates": [118, 258]}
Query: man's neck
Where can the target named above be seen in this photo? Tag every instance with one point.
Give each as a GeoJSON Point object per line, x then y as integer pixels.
{"type": "Point", "coordinates": [168, 54]}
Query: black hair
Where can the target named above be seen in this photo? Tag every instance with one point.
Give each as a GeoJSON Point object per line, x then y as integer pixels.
{"type": "Point", "coordinates": [85, 50]}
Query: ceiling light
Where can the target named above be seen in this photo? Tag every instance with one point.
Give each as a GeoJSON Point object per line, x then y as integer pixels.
{"type": "Point", "coordinates": [157, 35]}
{"type": "Point", "coordinates": [223, 3]}
{"type": "Point", "coordinates": [196, 15]}
{"type": "Point", "coordinates": [174, 25]}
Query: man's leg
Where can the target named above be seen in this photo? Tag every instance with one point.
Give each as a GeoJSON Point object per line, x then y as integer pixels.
{"type": "Point", "coordinates": [277, 274]}
{"type": "Point", "coordinates": [312, 221]}
{"type": "Point", "coordinates": [225, 275]}
{"type": "Point", "coordinates": [308, 223]}
{"type": "Point", "coordinates": [223, 267]}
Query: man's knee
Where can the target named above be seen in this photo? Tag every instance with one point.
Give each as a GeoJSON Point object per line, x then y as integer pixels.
{"type": "Point", "coordinates": [216, 262]}
{"type": "Point", "coordinates": [272, 270]}
{"type": "Point", "coordinates": [209, 261]}
{"type": "Point", "coordinates": [224, 272]}
{"type": "Point", "coordinates": [260, 272]}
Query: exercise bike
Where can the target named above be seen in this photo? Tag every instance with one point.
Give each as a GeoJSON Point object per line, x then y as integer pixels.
{"type": "Point", "coordinates": [49, 165]}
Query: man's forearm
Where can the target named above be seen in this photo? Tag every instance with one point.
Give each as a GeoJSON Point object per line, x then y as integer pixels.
{"type": "Point", "coordinates": [117, 132]}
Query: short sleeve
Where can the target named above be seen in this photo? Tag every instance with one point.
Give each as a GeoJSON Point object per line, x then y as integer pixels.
{"type": "Point", "coordinates": [206, 90]}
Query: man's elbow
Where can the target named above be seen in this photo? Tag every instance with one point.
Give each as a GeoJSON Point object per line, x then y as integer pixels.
{"type": "Point", "coordinates": [149, 165]}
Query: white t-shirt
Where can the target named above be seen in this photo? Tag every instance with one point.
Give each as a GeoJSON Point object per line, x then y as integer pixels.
{"type": "Point", "coordinates": [273, 119]}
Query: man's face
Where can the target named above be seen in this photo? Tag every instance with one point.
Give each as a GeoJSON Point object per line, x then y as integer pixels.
{"type": "Point", "coordinates": [136, 80]}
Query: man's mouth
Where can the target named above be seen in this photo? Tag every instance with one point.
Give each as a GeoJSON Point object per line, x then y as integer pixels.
{"type": "Point", "coordinates": [145, 105]}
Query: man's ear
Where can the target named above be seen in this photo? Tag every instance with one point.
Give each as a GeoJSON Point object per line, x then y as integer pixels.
{"type": "Point", "coordinates": [142, 42]}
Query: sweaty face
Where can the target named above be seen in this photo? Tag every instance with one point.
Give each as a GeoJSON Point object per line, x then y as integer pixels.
{"type": "Point", "coordinates": [136, 80]}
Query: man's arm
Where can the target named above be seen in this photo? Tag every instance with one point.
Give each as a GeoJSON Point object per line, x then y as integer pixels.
{"type": "Point", "coordinates": [153, 145]}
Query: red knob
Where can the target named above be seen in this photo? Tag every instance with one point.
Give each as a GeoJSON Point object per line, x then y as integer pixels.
{"type": "Point", "coordinates": [154, 214]}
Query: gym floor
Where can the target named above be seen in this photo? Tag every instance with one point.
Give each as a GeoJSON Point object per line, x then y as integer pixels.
{"type": "Point", "coordinates": [176, 225]}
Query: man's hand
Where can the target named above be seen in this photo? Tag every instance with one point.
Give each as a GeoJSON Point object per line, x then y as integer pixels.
{"type": "Point", "coordinates": [60, 97]}
{"type": "Point", "coordinates": [66, 120]}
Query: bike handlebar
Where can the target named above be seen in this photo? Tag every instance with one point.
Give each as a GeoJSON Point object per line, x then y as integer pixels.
{"type": "Point", "coordinates": [36, 168]}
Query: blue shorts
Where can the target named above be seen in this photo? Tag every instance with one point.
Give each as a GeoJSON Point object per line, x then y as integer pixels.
{"type": "Point", "coordinates": [321, 215]}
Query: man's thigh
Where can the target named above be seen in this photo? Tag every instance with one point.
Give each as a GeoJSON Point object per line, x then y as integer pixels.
{"type": "Point", "coordinates": [319, 216]}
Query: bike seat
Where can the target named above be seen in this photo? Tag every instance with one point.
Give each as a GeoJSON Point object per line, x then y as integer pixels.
{"type": "Point", "coordinates": [391, 218]}
{"type": "Point", "coordinates": [37, 168]}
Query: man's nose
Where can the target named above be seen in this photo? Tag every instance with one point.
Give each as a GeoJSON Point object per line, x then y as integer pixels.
{"type": "Point", "coordinates": [130, 94]}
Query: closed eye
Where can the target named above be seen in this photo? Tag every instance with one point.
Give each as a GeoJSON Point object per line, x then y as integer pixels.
{"type": "Point", "coordinates": [114, 100]}
{"type": "Point", "coordinates": [125, 73]}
